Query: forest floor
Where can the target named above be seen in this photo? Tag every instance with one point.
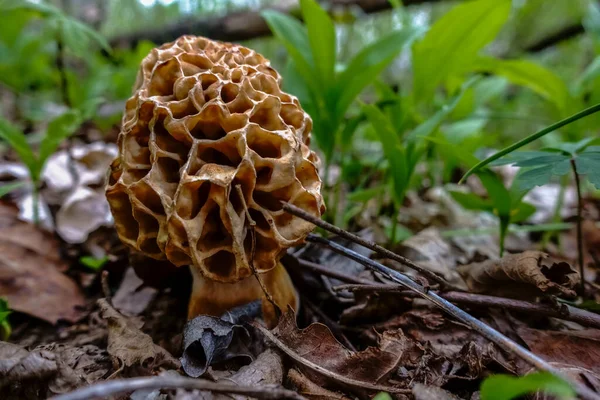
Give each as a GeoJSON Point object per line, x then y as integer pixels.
{"type": "Point", "coordinates": [81, 315]}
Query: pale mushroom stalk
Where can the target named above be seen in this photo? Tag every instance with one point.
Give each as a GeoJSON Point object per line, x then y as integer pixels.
{"type": "Point", "coordinates": [209, 149]}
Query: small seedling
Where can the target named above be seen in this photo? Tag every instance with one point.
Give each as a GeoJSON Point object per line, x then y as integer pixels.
{"type": "Point", "coordinates": [93, 263]}
{"type": "Point", "coordinates": [5, 327]}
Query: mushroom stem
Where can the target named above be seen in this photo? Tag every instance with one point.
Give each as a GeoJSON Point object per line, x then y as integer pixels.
{"type": "Point", "coordinates": [210, 297]}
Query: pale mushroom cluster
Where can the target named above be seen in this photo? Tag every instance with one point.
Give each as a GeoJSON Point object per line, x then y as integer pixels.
{"type": "Point", "coordinates": [207, 119]}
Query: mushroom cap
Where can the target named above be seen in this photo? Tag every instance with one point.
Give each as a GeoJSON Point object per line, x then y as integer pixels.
{"type": "Point", "coordinates": [205, 117]}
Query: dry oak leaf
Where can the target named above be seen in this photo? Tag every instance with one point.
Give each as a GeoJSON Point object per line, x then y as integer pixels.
{"type": "Point", "coordinates": [30, 272]}
{"type": "Point", "coordinates": [129, 344]}
{"type": "Point", "coordinates": [317, 345]}
{"type": "Point", "coordinates": [574, 348]}
{"type": "Point", "coordinates": [524, 275]}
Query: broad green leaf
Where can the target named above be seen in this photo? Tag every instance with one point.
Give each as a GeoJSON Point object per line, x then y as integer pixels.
{"type": "Point", "coordinates": [292, 34]}
{"type": "Point", "coordinates": [366, 66]}
{"type": "Point", "coordinates": [364, 195]}
{"type": "Point", "coordinates": [392, 148]}
{"type": "Point", "coordinates": [573, 148]}
{"type": "Point", "coordinates": [382, 395]}
{"type": "Point", "coordinates": [429, 126]}
{"type": "Point", "coordinates": [11, 187]}
{"type": "Point", "coordinates": [471, 201]}
{"type": "Point", "coordinates": [534, 177]}
{"type": "Point", "coordinates": [589, 164]}
{"type": "Point", "coordinates": [454, 41]}
{"type": "Point", "coordinates": [523, 142]}
{"type": "Point", "coordinates": [505, 387]}
{"type": "Point", "coordinates": [531, 75]}
{"type": "Point", "coordinates": [321, 36]}
{"type": "Point", "coordinates": [547, 159]}
{"type": "Point", "coordinates": [58, 129]}
{"type": "Point", "coordinates": [465, 157]}
{"type": "Point", "coordinates": [522, 212]}
{"type": "Point", "coordinates": [499, 195]}
{"type": "Point", "coordinates": [591, 73]}
{"type": "Point", "coordinates": [18, 142]}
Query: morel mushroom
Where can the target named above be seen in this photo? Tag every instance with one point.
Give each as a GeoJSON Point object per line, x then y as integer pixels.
{"type": "Point", "coordinates": [209, 148]}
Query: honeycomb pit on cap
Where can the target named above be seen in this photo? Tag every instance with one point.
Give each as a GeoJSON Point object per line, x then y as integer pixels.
{"type": "Point", "coordinates": [206, 117]}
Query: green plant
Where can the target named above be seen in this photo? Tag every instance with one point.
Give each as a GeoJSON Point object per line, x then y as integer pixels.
{"type": "Point", "coordinates": [581, 158]}
{"type": "Point", "coordinates": [506, 387]}
{"type": "Point", "coordinates": [4, 324]}
{"type": "Point", "coordinates": [58, 129]}
{"type": "Point", "coordinates": [506, 204]}
{"type": "Point", "coordinates": [326, 89]}
{"type": "Point", "coordinates": [93, 263]}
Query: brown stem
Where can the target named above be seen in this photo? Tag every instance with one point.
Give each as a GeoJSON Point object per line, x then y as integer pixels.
{"type": "Point", "coordinates": [478, 300]}
{"type": "Point", "coordinates": [579, 229]}
{"type": "Point", "coordinates": [369, 245]}
{"type": "Point", "coordinates": [108, 388]}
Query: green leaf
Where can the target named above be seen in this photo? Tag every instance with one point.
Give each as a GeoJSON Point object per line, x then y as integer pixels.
{"type": "Point", "coordinates": [453, 42]}
{"type": "Point", "coordinates": [382, 396]}
{"type": "Point", "coordinates": [18, 142]}
{"type": "Point", "coordinates": [366, 66]}
{"type": "Point", "coordinates": [523, 142]}
{"type": "Point", "coordinates": [10, 187]}
{"type": "Point", "coordinates": [59, 129]}
{"type": "Point", "coordinates": [429, 126]}
{"type": "Point", "coordinates": [522, 212]}
{"type": "Point", "coordinates": [590, 74]}
{"type": "Point", "coordinates": [589, 164]}
{"type": "Point", "coordinates": [4, 324]}
{"type": "Point", "coordinates": [392, 148]}
{"type": "Point", "coordinates": [547, 159]}
{"type": "Point", "coordinates": [499, 195]}
{"type": "Point", "coordinates": [471, 201]}
{"type": "Point", "coordinates": [505, 387]}
{"type": "Point", "coordinates": [321, 36]}
{"type": "Point", "coordinates": [465, 157]}
{"type": "Point", "coordinates": [534, 177]}
{"type": "Point", "coordinates": [93, 263]}
{"type": "Point", "coordinates": [531, 75]}
{"type": "Point", "coordinates": [364, 195]}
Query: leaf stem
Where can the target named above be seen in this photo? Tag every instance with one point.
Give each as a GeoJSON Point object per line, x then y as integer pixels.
{"type": "Point", "coordinates": [579, 228]}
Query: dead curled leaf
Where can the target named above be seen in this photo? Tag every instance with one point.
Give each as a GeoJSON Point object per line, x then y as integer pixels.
{"type": "Point", "coordinates": [325, 360]}
{"type": "Point", "coordinates": [527, 274]}
{"type": "Point", "coordinates": [207, 339]}
{"type": "Point", "coordinates": [131, 346]}
{"type": "Point", "coordinates": [31, 277]}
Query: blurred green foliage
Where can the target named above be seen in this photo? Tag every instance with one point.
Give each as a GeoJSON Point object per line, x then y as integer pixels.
{"type": "Point", "coordinates": [390, 94]}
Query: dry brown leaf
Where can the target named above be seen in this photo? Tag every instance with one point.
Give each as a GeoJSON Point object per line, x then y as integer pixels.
{"type": "Point", "coordinates": [129, 344]}
{"type": "Point", "coordinates": [317, 345]}
{"type": "Point", "coordinates": [573, 348]}
{"type": "Point", "coordinates": [523, 275]}
{"type": "Point", "coordinates": [49, 370]}
{"type": "Point", "coordinates": [30, 272]}
{"type": "Point", "coordinates": [311, 390]}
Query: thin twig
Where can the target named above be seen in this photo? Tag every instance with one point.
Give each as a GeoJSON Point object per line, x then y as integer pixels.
{"type": "Point", "coordinates": [109, 388]}
{"type": "Point", "coordinates": [252, 224]}
{"type": "Point", "coordinates": [480, 327]}
{"type": "Point", "coordinates": [579, 229]}
{"type": "Point", "coordinates": [323, 371]}
{"type": "Point", "coordinates": [370, 245]}
{"type": "Point", "coordinates": [105, 286]}
{"type": "Point", "coordinates": [567, 312]}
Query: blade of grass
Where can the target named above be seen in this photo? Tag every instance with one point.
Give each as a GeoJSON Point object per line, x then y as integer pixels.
{"type": "Point", "coordinates": [582, 114]}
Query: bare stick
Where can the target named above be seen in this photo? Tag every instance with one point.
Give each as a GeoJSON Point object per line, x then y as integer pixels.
{"type": "Point", "coordinates": [323, 371]}
{"type": "Point", "coordinates": [252, 224]}
{"type": "Point", "coordinates": [479, 300]}
{"type": "Point", "coordinates": [109, 388]}
{"type": "Point", "coordinates": [478, 326]}
{"type": "Point", "coordinates": [369, 245]}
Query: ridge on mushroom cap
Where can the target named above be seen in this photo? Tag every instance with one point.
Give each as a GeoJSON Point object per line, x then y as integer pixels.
{"type": "Point", "coordinates": [205, 117]}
